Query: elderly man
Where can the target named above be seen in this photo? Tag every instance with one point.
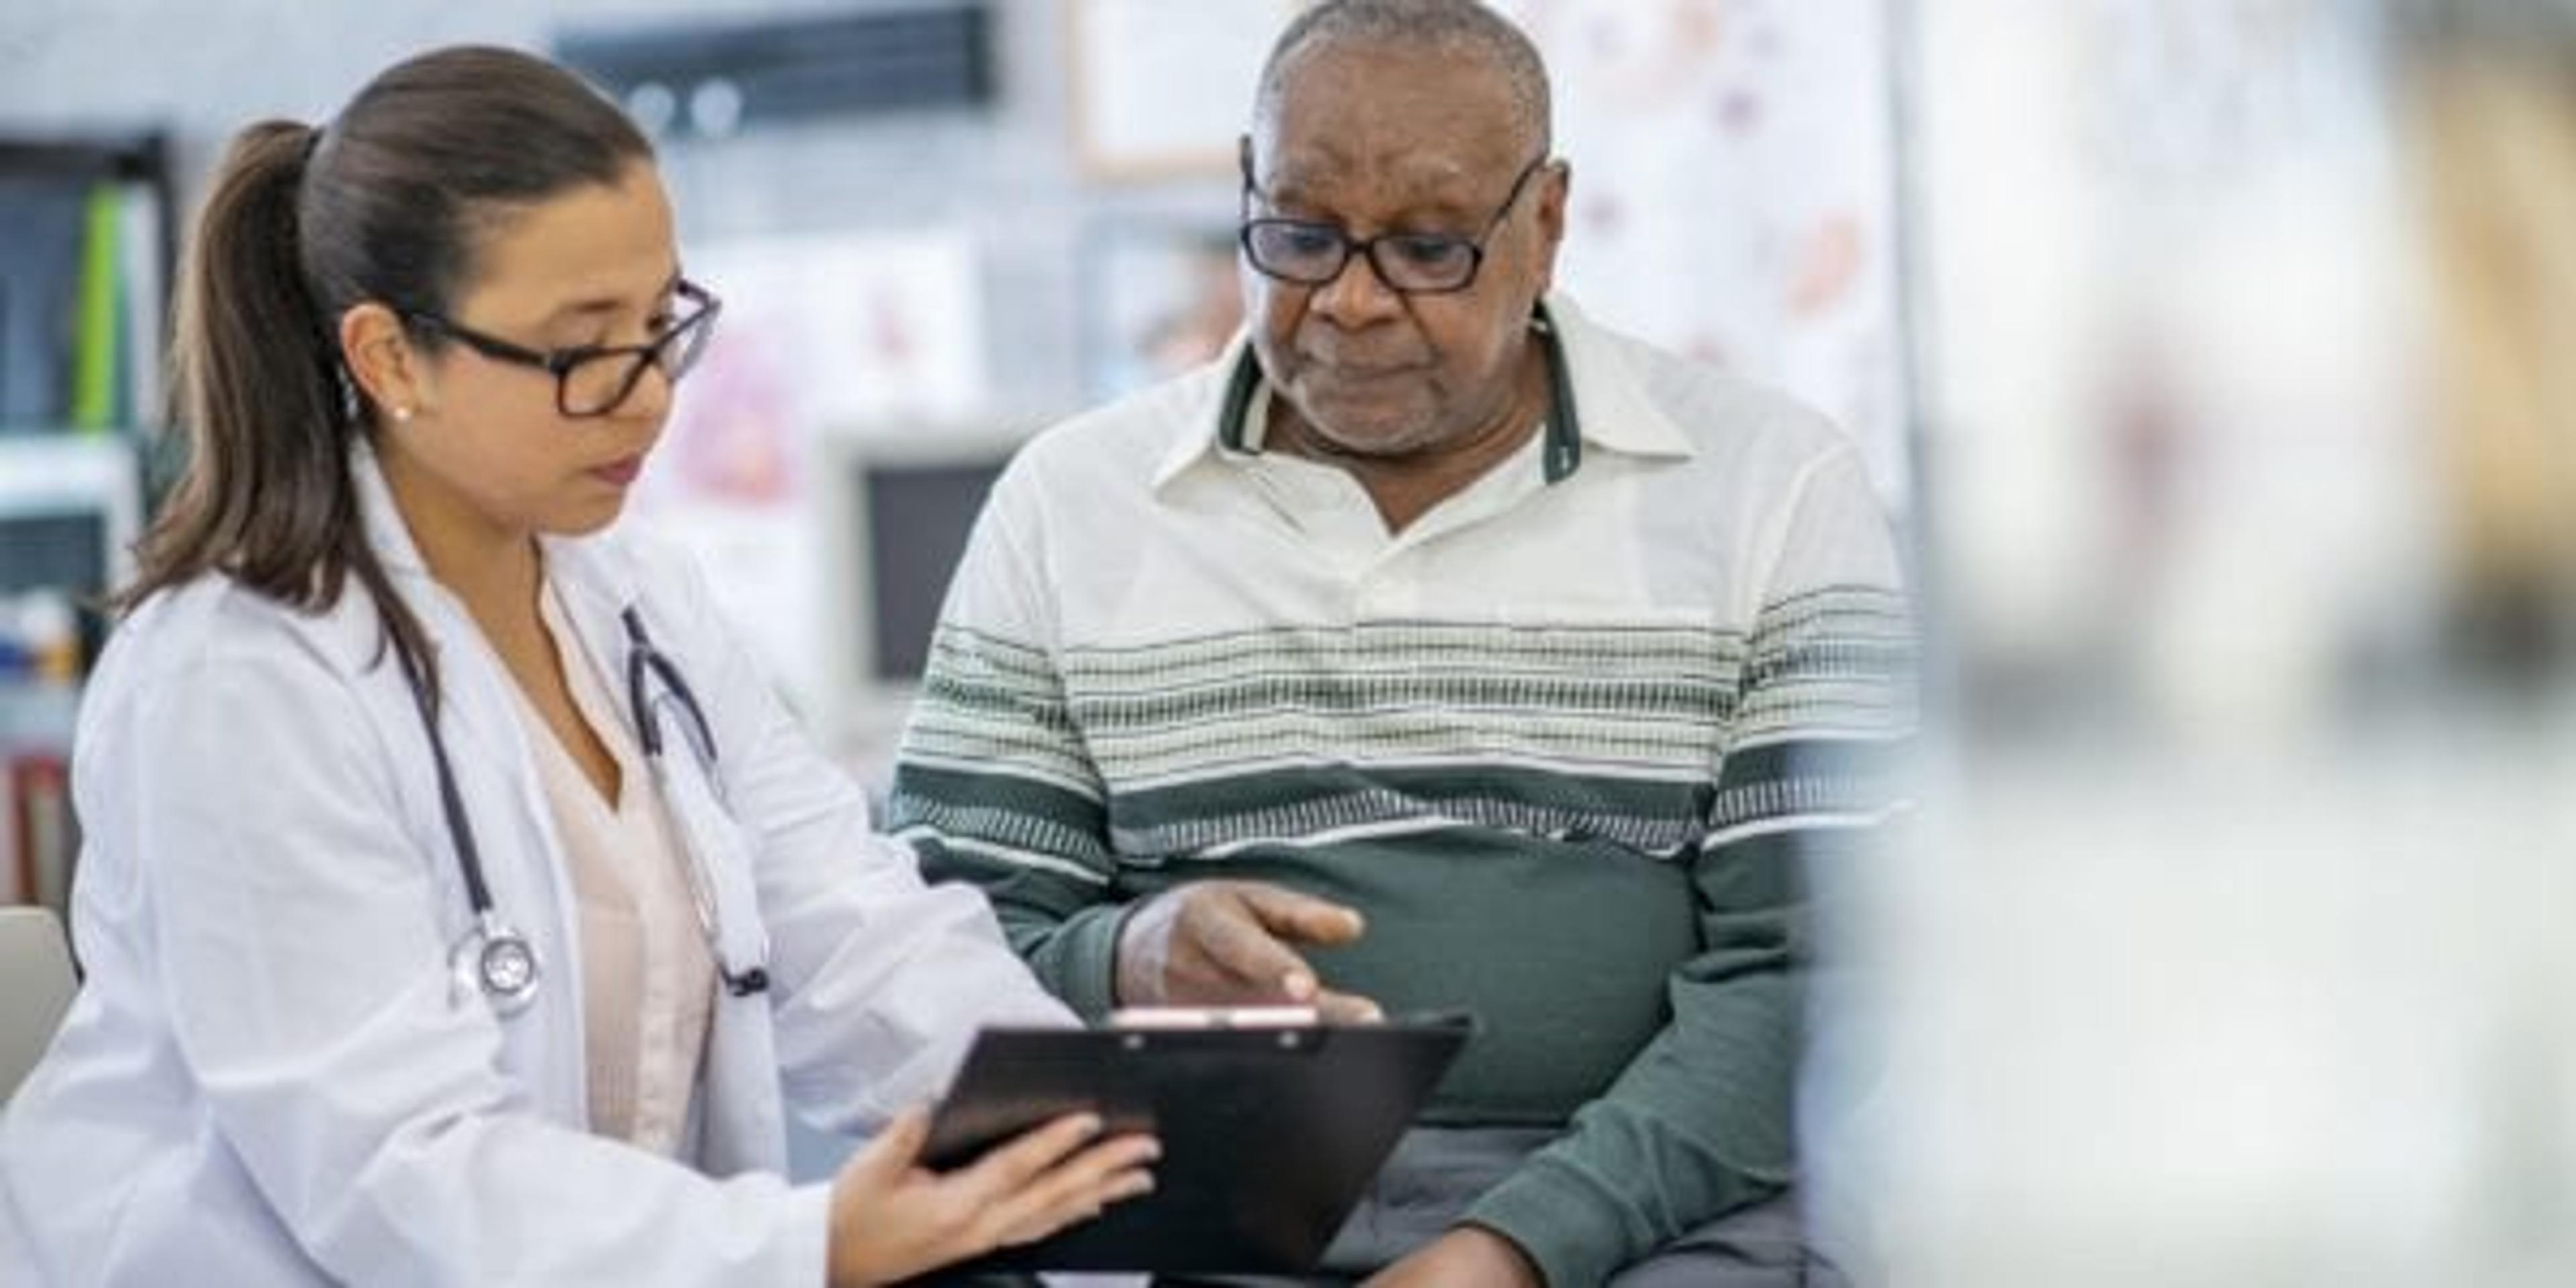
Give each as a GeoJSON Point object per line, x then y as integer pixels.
{"type": "Point", "coordinates": [1436, 647]}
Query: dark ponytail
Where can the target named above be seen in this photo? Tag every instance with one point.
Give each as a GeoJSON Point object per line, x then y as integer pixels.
{"type": "Point", "coordinates": [265, 494]}
{"type": "Point", "coordinates": [385, 204]}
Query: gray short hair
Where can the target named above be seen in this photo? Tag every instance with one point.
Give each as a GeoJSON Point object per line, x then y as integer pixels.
{"type": "Point", "coordinates": [1455, 27]}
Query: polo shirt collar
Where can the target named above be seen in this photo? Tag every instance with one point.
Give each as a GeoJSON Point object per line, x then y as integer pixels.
{"type": "Point", "coordinates": [1593, 400]}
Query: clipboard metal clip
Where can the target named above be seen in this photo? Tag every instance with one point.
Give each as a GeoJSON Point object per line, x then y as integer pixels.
{"type": "Point", "coordinates": [1213, 1017]}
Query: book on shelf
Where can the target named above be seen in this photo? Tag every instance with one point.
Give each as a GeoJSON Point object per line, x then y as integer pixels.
{"type": "Point", "coordinates": [44, 835]}
{"type": "Point", "coordinates": [40, 264]}
{"type": "Point", "coordinates": [139, 304]}
{"type": "Point", "coordinates": [96, 335]}
{"type": "Point", "coordinates": [17, 880]}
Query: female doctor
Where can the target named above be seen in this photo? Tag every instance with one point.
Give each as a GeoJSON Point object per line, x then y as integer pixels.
{"type": "Point", "coordinates": [455, 895]}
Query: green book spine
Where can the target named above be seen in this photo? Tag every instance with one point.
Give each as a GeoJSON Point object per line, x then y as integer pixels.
{"type": "Point", "coordinates": [94, 348]}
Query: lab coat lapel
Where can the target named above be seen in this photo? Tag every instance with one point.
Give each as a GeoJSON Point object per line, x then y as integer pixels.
{"type": "Point", "coordinates": [598, 588]}
{"type": "Point", "coordinates": [744, 1128]}
{"type": "Point", "coordinates": [531, 885]}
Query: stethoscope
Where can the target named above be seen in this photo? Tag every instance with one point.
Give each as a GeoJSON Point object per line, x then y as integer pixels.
{"type": "Point", "coordinates": [493, 957]}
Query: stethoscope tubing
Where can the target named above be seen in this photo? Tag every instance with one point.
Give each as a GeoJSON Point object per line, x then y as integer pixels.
{"type": "Point", "coordinates": [493, 957]}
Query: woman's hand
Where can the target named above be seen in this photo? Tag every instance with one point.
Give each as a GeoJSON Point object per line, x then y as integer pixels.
{"type": "Point", "coordinates": [893, 1218]}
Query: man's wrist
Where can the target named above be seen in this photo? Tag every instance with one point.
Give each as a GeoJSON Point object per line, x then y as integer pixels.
{"type": "Point", "coordinates": [1080, 963]}
{"type": "Point", "coordinates": [1124, 991]}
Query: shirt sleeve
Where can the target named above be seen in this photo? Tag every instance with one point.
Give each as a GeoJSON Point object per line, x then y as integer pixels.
{"type": "Point", "coordinates": [993, 784]}
{"type": "Point", "coordinates": [1699, 1123]}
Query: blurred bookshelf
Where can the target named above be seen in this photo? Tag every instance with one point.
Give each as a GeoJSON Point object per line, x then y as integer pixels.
{"type": "Point", "coordinates": [87, 243]}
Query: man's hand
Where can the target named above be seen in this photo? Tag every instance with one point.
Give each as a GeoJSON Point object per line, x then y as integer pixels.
{"type": "Point", "coordinates": [1469, 1256]}
{"type": "Point", "coordinates": [1228, 943]}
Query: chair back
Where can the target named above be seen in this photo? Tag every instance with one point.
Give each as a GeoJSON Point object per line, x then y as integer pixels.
{"type": "Point", "coordinates": [36, 985]}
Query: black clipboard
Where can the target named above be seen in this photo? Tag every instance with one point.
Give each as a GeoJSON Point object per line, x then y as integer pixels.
{"type": "Point", "coordinates": [1269, 1133]}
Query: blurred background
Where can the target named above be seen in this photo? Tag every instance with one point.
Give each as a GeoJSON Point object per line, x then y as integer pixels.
{"type": "Point", "coordinates": [2216, 360]}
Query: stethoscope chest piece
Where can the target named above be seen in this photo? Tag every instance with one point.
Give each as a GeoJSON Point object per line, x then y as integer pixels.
{"type": "Point", "coordinates": [497, 962]}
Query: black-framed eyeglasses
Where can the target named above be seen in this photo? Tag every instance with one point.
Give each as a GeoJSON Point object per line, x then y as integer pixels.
{"type": "Point", "coordinates": [1309, 252]}
{"type": "Point", "coordinates": [595, 379]}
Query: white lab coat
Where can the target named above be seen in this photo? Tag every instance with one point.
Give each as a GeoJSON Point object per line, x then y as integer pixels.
{"type": "Point", "coordinates": [266, 1079]}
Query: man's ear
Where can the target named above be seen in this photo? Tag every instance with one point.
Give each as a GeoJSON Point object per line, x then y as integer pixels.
{"type": "Point", "coordinates": [380, 358]}
{"type": "Point", "coordinates": [1556, 183]}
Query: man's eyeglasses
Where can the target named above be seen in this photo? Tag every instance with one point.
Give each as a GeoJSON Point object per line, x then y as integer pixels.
{"type": "Point", "coordinates": [594, 379]}
{"type": "Point", "coordinates": [1311, 253]}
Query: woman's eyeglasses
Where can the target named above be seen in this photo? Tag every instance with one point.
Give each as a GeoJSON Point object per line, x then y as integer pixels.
{"type": "Point", "coordinates": [595, 379]}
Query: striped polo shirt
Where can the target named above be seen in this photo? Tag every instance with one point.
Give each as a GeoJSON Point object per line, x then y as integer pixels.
{"type": "Point", "coordinates": [1556, 739]}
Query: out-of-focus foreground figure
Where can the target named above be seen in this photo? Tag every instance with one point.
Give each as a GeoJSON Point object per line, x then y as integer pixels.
{"type": "Point", "coordinates": [2494, 136]}
{"type": "Point", "coordinates": [2235, 945]}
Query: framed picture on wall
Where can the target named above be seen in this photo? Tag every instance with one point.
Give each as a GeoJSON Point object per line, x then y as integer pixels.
{"type": "Point", "coordinates": [1162, 88]}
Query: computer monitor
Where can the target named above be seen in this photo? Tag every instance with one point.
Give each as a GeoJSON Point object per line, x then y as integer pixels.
{"type": "Point", "coordinates": [918, 516]}
{"type": "Point", "coordinates": [897, 508]}
{"type": "Point", "coordinates": [71, 506]}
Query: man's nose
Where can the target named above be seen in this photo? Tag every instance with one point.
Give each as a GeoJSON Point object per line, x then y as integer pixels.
{"type": "Point", "coordinates": [1358, 294]}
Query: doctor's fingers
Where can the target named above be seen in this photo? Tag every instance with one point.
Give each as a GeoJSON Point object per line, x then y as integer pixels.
{"type": "Point", "coordinates": [1076, 1190]}
{"type": "Point", "coordinates": [1009, 1168]}
{"type": "Point", "coordinates": [893, 1152]}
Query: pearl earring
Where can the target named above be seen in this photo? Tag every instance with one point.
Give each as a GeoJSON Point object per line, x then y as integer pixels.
{"type": "Point", "coordinates": [402, 415]}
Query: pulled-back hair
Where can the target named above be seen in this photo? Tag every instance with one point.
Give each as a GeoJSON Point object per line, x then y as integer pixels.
{"type": "Point", "coordinates": [386, 203]}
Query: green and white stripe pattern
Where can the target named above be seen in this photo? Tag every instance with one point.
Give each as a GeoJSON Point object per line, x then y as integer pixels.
{"type": "Point", "coordinates": [1655, 737]}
